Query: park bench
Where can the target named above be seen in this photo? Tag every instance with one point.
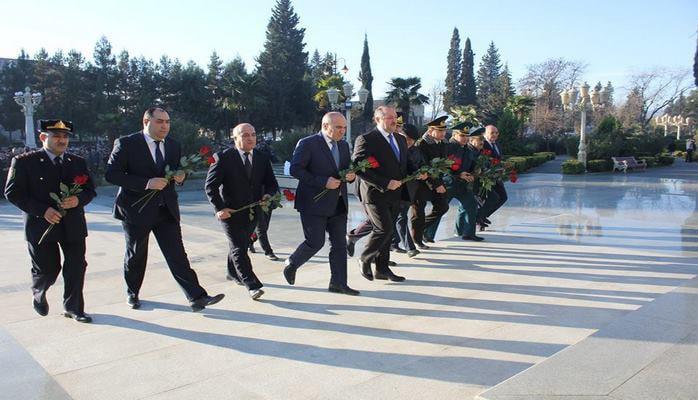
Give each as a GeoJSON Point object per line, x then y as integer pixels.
{"type": "Point", "coordinates": [626, 163]}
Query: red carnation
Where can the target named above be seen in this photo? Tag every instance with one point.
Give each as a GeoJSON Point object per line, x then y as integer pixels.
{"type": "Point", "coordinates": [373, 161]}
{"type": "Point", "coordinates": [204, 150]}
{"type": "Point", "coordinates": [81, 180]}
{"type": "Point", "coordinates": [513, 178]}
{"type": "Point", "coordinates": [211, 160]}
{"type": "Point", "coordinates": [487, 152]}
{"type": "Point", "coordinates": [495, 161]}
{"type": "Point", "coordinates": [290, 196]}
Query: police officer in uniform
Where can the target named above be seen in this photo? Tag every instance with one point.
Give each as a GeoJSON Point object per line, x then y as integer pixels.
{"type": "Point", "coordinates": [31, 179]}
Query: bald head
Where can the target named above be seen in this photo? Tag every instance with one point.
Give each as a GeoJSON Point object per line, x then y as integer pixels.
{"type": "Point", "coordinates": [334, 125]}
{"type": "Point", "coordinates": [245, 137]}
{"type": "Point", "coordinates": [491, 133]}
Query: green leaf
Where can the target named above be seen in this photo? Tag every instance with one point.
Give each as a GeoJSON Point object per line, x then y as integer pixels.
{"type": "Point", "coordinates": [64, 188]}
{"type": "Point", "coordinates": [77, 191]}
{"type": "Point", "coordinates": [55, 197]}
{"type": "Point", "coordinates": [183, 162]}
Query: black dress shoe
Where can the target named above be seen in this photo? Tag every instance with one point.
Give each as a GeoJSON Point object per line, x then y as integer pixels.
{"type": "Point", "coordinates": [80, 317]}
{"type": "Point", "coordinates": [474, 238]}
{"type": "Point", "coordinates": [234, 279]}
{"type": "Point", "coordinates": [133, 301]}
{"type": "Point", "coordinates": [272, 257]}
{"type": "Point", "coordinates": [350, 247]}
{"type": "Point", "coordinates": [397, 249]}
{"type": "Point", "coordinates": [428, 240]}
{"type": "Point", "coordinates": [256, 293]}
{"type": "Point", "coordinates": [422, 246]}
{"type": "Point", "coordinates": [41, 306]}
{"type": "Point", "coordinates": [252, 249]}
{"type": "Point", "coordinates": [412, 253]}
{"type": "Point", "coordinates": [486, 221]}
{"type": "Point", "coordinates": [389, 276]}
{"type": "Point", "coordinates": [366, 270]}
{"type": "Point", "coordinates": [290, 274]}
{"type": "Point", "coordinates": [392, 264]}
{"type": "Point", "coordinates": [206, 300]}
{"type": "Point", "coordinates": [343, 289]}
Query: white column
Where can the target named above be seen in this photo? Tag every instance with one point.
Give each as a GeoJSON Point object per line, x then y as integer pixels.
{"type": "Point", "coordinates": [582, 155]}
{"type": "Point", "coordinates": [347, 114]}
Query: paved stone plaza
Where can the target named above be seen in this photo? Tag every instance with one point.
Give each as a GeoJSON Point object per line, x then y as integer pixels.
{"type": "Point", "coordinates": [585, 289]}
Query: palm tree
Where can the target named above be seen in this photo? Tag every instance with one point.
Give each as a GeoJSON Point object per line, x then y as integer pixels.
{"type": "Point", "coordinates": [325, 83]}
{"type": "Point", "coordinates": [521, 107]}
{"type": "Point", "coordinates": [404, 92]}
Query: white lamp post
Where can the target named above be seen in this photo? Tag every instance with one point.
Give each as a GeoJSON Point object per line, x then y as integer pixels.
{"type": "Point", "coordinates": [28, 101]}
{"type": "Point", "coordinates": [570, 100]}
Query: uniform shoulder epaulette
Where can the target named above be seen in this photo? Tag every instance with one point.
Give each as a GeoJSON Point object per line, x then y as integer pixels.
{"type": "Point", "coordinates": [27, 154]}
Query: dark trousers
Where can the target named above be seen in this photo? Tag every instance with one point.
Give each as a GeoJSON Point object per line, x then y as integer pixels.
{"type": "Point", "coordinates": [377, 249]}
{"type": "Point", "coordinates": [239, 264]}
{"type": "Point", "coordinates": [168, 234]}
{"type": "Point", "coordinates": [402, 236]}
{"type": "Point", "coordinates": [261, 230]}
{"type": "Point", "coordinates": [425, 225]}
{"type": "Point", "coordinates": [46, 265]}
{"type": "Point", "coordinates": [689, 156]}
{"type": "Point", "coordinates": [495, 199]}
{"type": "Point", "coordinates": [314, 228]}
{"type": "Point", "coordinates": [364, 228]}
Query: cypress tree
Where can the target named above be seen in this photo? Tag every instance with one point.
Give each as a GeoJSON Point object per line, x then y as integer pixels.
{"type": "Point", "coordinates": [453, 71]}
{"type": "Point", "coordinates": [467, 88]}
{"type": "Point", "coordinates": [366, 78]}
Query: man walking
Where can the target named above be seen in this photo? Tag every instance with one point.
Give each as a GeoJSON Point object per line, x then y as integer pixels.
{"type": "Point", "coordinates": [316, 163]}
{"type": "Point", "coordinates": [137, 165]}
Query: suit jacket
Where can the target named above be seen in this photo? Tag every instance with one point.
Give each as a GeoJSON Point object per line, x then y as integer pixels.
{"type": "Point", "coordinates": [374, 182]}
{"type": "Point", "coordinates": [495, 153]}
{"type": "Point", "coordinates": [31, 178]}
{"type": "Point", "coordinates": [130, 166]}
{"type": "Point", "coordinates": [227, 184]}
{"type": "Point", "coordinates": [312, 164]}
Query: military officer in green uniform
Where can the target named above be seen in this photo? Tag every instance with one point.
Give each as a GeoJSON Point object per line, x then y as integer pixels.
{"type": "Point", "coordinates": [463, 147]}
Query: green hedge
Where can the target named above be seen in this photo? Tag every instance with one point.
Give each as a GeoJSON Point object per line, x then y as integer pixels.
{"type": "Point", "coordinates": [599, 165]}
{"type": "Point", "coordinates": [651, 161]}
{"type": "Point", "coordinates": [572, 167]}
{"type": "Point", "coordinates": [665, 159]}
{"type": "Point", "coordinates": [520, 163]}
{"type": "Point", "coordinates": [549, 155]}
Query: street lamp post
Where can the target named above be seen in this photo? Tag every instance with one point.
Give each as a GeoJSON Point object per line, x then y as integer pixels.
{"type": "Point", "coordinates": [582, 99]}
{"type": "Point", "coordinates": [28, 101]}
{"type": "Point", "coordinates": [348, 89]}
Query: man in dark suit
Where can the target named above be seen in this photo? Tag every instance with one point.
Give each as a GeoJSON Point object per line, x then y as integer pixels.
{"type": "Point", "coordinates": [137, 164]}
{"type": "Point", "coordinates": [238, 177]}
{"type": "Point", "coordinates": [32, 177]}
{"type": "Point", "coordinates": [381, 189]}
{"type": "Point", "coordinates": [498, 196]}
{"type": "Point", "coordinates": [316, 163]}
